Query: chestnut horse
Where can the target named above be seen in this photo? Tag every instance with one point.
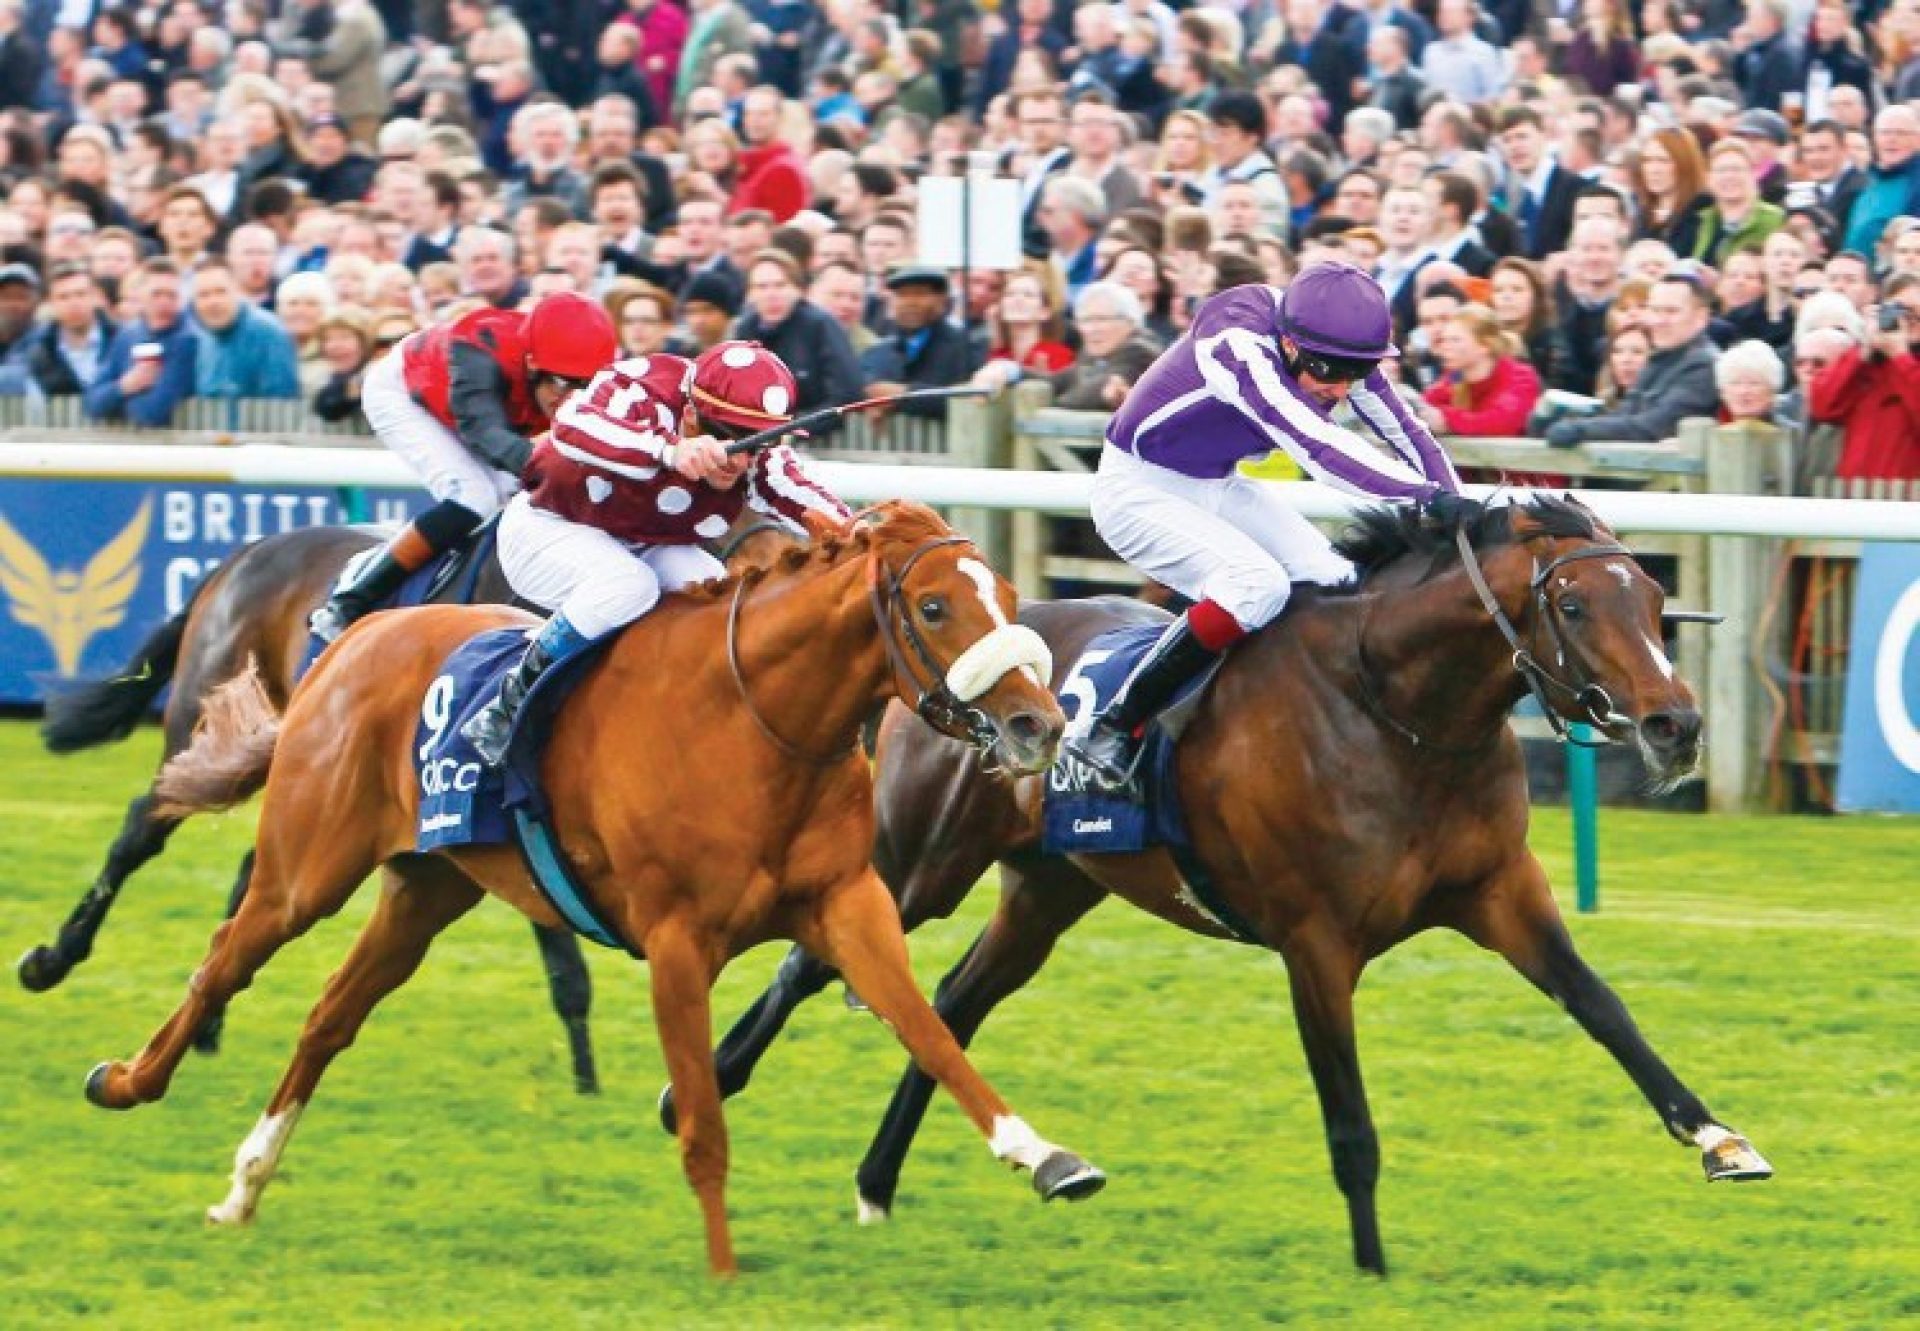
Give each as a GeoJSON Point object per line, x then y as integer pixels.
{"type": "Point", "coordinates": [254, 607]}
{"type": "Point", "coordinates": [1349, 781]}
{"type": "Point", "coordinates": [758, 828]}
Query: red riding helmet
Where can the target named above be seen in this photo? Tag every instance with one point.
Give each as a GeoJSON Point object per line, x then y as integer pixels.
{"type": "Point", "coordinates": [570, 337]}
{"type": "Point", "coordinates": [743, 384]}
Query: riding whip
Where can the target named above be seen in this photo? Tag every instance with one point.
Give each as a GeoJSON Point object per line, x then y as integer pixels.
{"type": "Point", "coordinates": [754, 442]}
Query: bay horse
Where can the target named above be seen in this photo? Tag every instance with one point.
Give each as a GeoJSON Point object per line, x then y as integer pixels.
{"type": "Point", "coordinates": [758, 827]}
{"type": "Point", "coordinates": [1349, 780]}
{"type": "Point", "coordinates": [254, 607]}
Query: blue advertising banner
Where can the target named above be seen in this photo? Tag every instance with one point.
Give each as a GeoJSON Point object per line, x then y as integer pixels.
{"type": "Point", "coordinates": [1880, 740]}
{"type": "Point", "coordinates": [89, 568]}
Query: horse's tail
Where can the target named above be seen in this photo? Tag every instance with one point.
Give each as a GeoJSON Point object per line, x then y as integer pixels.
{"type": "Point", "coordinates": [105, 711]}
{"type": "Point", "coordinates": [231, 751]}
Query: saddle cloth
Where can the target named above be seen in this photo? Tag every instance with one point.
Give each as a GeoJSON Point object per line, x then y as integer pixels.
{"type": "Point", "coordinates": [1080, 817]}
{"type": "Point", "coordinates": [463, 802]}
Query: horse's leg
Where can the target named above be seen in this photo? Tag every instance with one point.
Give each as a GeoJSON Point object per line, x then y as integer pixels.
{"type": "Point", "coordinates": [416, 903]}
{"type": "Point", "coordinates": [861, 935]}
{"type": "Point", "coordinates": [800, 977]}
{"type": "Point", "coordinates": [1514, 914]}
{"type": "Point", "coordinates": [142, 836]}
{"type": "Point", "coordinates": [572, 990]}
{"type": "Point", "coordinates": [682, 974]}
{"type": "Point", "coordinates": [301, 876]}
{"type": "Point", "coordinates": [206, 1037]}
{"type": "Point", "coordinates": [1323, 972]}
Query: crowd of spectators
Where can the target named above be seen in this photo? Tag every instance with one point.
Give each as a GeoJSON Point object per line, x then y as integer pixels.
{"type": "Point", "coordinates": [1593, 217]}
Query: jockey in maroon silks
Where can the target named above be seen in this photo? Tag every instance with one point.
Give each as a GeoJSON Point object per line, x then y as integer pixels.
{"type": "Point", "coordinates": [461, 403]}
{"type": "Point", "coordinates": [1259, 369]}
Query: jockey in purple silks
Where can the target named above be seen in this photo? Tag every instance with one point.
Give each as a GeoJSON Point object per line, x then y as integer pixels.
{"type": "Point", "coordinates": [1259, 369]}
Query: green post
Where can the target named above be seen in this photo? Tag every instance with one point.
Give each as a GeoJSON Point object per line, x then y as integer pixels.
{"type": "Point", "coordinates": [354, 500]}
{"type": "Point", "coordinates": [1584, 795]}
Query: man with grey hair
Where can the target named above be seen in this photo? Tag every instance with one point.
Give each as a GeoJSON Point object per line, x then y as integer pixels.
{"type": "Point", "coordinates": [484, 257]}
{"type": "Point", "coordinates": [1893, 181]}
{"type": "Point", "coordinates": [1072, 211]}
{"type": "Point", "coordinates": [1816, 451]}
{"type": "Point", "coordinates": [1362, 133]}
{"type": "Point", "coordinates": [1114, 349]}
{"type": "Point", "coordinates": [546, 133]}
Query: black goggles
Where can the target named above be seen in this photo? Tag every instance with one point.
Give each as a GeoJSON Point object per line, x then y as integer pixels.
{"type": "Point", "coordinates": [1331, 369]}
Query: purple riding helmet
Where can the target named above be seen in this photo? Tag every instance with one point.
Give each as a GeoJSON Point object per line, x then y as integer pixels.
{"type": "Point", "coordinates": [1339, 319]}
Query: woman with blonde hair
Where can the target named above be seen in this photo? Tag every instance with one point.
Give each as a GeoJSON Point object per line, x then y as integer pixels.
{"type": "Point", "coordinates": [1184, 158]}
{"type": "Point", "coordinates": [642, 316]}
{"type": "Point", "coordinates": [1485, 387]}
{"type": "Point", "coordinates": [1026, 331]}
{"type": "Point", "coordinates": [1670, 182]}
{"type": "Point", "coordinates": [713, 157]}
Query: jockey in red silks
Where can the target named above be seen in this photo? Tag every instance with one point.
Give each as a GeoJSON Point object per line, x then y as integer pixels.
{"type": "Point", "coordinates": [1259, 369]}
{"type": "Point", "coordinates": [634, 476]}
{"type": "Point", "coordinates": [460, 402]}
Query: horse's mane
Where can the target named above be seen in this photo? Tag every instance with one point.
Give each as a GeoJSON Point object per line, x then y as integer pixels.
{"type": "Point", "coordinates": [899, 521]}
{"type": "Point", "coordinates": [1384, 534]}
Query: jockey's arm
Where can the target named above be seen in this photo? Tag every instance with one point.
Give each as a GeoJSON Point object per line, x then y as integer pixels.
{"type": "Point", "coordinates": [1376, 401]}
{"type": "Point", "coordinates": [476, 395]}
{"type": "Point", "coordinates": [1244, 369]}
{"type": "Point", "coordinates": [781, 486]}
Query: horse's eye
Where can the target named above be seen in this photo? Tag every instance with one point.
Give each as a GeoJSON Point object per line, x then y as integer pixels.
{"type": "Point", "coordinates": [1569, 608]}
{"type": "Point", "coordinates": [932, 611]}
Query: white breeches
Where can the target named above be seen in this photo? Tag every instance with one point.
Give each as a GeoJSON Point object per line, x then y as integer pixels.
{"type": "Point", "coordinates": [1230, 541]}
{"type": "Point", "coordinates": [597, 581]}
{"type": "Point", "coordinates": [444, 465]}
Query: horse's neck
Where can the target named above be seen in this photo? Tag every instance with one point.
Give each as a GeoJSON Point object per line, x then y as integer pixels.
{"type": "Point", "coordinates": [809, 651]}
{"type": "Point", "coordinates": [1435, 661]}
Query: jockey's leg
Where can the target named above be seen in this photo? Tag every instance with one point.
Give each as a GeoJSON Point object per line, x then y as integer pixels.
{"type": "Point", "coordinates": [597, 585]}
{"type": "Point", "coordinates": [1302, 548]}
{"type": "Point", "coordinates": [467, 492]}
{"type": "Point", "coordinates": [1171, 528]}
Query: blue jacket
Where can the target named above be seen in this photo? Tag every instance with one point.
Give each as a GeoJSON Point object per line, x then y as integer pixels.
{"type": "Point", "coordinates": [251, 357]}
{"type": "Point", "coordinates": [1889, 194]}
{"type": "Point", "coordinates": [153, 408]}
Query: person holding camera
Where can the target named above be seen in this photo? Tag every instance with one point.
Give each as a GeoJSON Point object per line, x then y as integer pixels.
{"type": "Point", "coordinates": [1873, 391]}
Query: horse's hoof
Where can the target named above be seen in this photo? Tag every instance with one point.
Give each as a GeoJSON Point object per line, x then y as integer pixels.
{"type": "Point", "coordinates": [587, 1085]}
{"type": "Point", "coordinates": [206, 1040]}
{"type": "Point", "coordinates": [1064, 1175]}
{"type": "Point", "coordinates": [41, 968]}
{"type": "Point", "coordinates": [97, 1089]}
{"type": "Point", "coordinates": [1732, 1159]}
{"type": "Point", "coordinates": [669, 1119]}
{"type": "Point", "coordinates": [229, 1213]}
{"type": "Point", "coordinates": [871, 1213]}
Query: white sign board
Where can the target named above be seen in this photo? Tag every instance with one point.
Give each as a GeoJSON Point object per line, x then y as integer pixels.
{"type": "Point", "coordinates": [993, 241]}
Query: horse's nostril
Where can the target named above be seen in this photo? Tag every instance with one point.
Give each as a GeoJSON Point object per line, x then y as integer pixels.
{"type": "Point", "coordinates": [1671, 729]}
{"type": "Point", "coordinates": [1029, 729]}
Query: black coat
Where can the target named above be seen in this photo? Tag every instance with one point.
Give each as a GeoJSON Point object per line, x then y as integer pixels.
{"type": "Point", "coordinates": [1399, 96]}
{"type": "Point", "coordinates": [49, 367]}
{"type": "Point", "coordinates": [1583, 333]}
{"type": "Point", "coordinates": [816, 349]}
{"type": "Point", "coordinates": [346, 181]}
{"type": "Point", "coordinates": [945, 359]}
{"type": "Point", "coordinates": [1769, 70]}
{"type": "Point", "coordinates": [1555, 222]}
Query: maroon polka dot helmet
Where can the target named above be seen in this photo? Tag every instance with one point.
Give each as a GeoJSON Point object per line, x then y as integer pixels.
{"type": "Point", "coordinates": [744, 385]}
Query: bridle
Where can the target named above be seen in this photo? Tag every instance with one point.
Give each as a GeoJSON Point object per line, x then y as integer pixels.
{"type": "Point", "coordinates": [938, 703]}
{"type": "Point", "coordinates": [1585, 693]}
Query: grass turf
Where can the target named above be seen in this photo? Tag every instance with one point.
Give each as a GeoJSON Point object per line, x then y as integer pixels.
{"type": "Point", "coordinates": [446, 1174]}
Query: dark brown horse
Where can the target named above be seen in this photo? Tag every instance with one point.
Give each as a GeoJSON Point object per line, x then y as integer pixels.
{"type": "Point", "coordinates": [759, 828]}
{"type": "Point", "coordinates": [253, 608]}
{"type": "Point", "coordinates": [1349, 781]}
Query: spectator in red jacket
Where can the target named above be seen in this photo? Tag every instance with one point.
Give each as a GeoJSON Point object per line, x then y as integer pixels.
{"type": "Point", "coordinates": [772, 176]}
{"type": "Point", "coordinates": [1873, 393]}
{"type": "Point", "coordinates": [1486, 387]}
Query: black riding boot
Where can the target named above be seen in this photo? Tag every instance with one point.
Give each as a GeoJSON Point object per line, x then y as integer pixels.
{"type": "Point", "coordinates": [379, 578]}
{"type": "Point", "coordinates": [1112, 744]}
{"type": "Point", "coordinates": [492, 726]}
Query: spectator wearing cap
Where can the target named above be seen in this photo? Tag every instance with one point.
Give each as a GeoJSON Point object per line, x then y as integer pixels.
{"type": "Point", "coordinates": [240, 351]}
{"type": "Point", "coordinates": [347, 56]}
{"type": "Point", "coordinates": [335, 171]}
{"type": "Point", "coordinates": [1825, 167]}
{"type": "Point", "coordinates": [19, 299]}
{"type": "Point", "coordinates": [149, 369]}
{"type": "Point", "coordinates": [1770, 63]}
{"type": "Point", "coordinates": [1873, 393]}
{"type": "Point", "coordinates": [923, 350]}
{"type": "Point", "coordinates": [1738, 218]}
{"type": "Point", "coordinates": [807, 338]}
{"type": "Point", "coordinates": [1766, 135]}
{"type": "Point", "coordinates": [771, 175]}
{"type": "Point", "coordinates": [68, 349]}
{"type": "Point", "coordinates": [1677, 383]}
{"type": "Point", "coordinates": [1893, 181]}
{"type": "Point", "coordinates": [709, 303]}
{"type": "Point", "coordinates": [1239, 122]}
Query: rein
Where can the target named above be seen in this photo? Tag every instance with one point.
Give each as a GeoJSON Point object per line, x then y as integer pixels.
{"type": "Point", "coordinates": [1589, 696]}
{"type": "Point", "coordinates": [937, 704]}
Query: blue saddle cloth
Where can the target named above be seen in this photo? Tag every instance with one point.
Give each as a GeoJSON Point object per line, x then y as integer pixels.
{"type": "Point", "coordinates": [463, 802]}
{"type": "Point", "coordinates": [1079, 817]}
{"type": "Point", "coordinates": [451, 579]}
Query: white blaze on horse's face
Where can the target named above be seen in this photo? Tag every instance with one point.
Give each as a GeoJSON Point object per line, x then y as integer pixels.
{"type": "Point", "coordinates": [1005, 648]}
